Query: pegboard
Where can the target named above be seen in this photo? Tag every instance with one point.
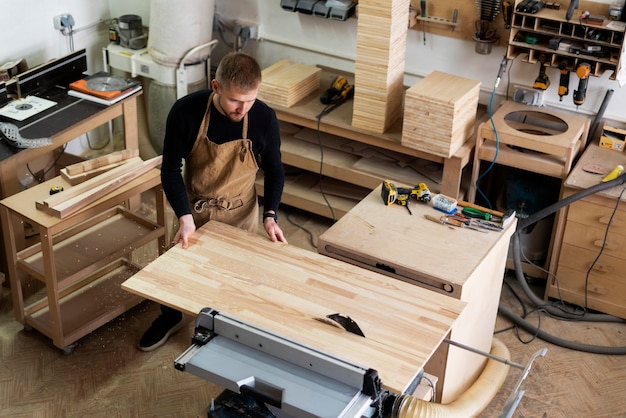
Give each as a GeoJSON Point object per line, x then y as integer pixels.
{"type": "Point", "coordinates": [467, 17]}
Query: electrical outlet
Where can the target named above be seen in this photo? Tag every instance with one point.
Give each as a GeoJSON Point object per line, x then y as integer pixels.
{"type": "Point", "coordinates": [63, 21]}
{"type": "Point", "coordinates": [254, 29]}
{"type": "Point", "coordinates": [528, 95]}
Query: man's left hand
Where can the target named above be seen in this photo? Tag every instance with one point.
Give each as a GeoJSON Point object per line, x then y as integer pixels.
{"type": "Point", "coordinates": [273, 230]}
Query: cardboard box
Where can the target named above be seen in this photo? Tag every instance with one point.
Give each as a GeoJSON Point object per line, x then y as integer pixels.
{"type": "Point", "coordinates": [439, 113]}
{"type": "Point", "coordinates": [613, 138]}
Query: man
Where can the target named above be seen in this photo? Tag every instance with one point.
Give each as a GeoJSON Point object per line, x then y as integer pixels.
{"type": "Point", "coordinates": [224, 134]}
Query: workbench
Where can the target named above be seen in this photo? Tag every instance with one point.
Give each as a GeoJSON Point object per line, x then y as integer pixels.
{"type": "Point", "coordinates": [464, 264]}
{"type": "Point", "coordinates": [67, 284]}
{"type": "Point", "coordinates": [66, 121]}
{"type": "Point", "coordinates": [283, 288]}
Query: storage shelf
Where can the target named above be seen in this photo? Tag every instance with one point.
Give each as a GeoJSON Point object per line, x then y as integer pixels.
{"type": "Point", "coordinates": [348, 166]}
{"type": "Point", "coordinates": [548, 25]}
{"type": "Point", "coordinates": [88, 247]}
{"type": "Point", "coordinates": [302, 192]}
{"type": "Point", "coordinates": [89, 307]}
{"type": "Point", "coordinates": [344, 165]}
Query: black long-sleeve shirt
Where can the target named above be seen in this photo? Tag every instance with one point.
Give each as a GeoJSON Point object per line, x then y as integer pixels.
{"type": "Point", "coordinates": [183, 123]}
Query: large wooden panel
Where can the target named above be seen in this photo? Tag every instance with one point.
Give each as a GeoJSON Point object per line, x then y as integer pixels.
{"type": "Point", "coordinates": [283, 288]}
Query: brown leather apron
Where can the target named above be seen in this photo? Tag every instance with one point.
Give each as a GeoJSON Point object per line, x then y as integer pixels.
{"type": "Point", "coordinates": [220, 179]}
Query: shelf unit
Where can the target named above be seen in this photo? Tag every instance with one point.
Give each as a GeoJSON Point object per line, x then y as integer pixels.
{"type": "Point", "coordinates": [79, 261]}
{"type": "Point", "coordinates": [534, 35]}
{"type": "Point", "coordinates": [340, 165]}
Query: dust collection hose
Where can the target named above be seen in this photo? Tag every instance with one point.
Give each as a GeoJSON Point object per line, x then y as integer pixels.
{"type": "Point", "coordinates": [556, 312]}
{"type": "Point", "coordinates": [471, 403]}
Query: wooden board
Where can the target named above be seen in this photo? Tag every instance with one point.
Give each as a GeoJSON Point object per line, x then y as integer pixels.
{"type": "Point", "coordinates": [283, 288]}
{"type": "Point", "coordinates": [85, 170]}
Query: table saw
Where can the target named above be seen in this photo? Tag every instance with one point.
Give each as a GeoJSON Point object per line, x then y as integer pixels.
{"type": "Point", "coordinates": [266, 328]}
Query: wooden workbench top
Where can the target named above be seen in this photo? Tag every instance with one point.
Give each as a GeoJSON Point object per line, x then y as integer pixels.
{"type": "Point", "coordinates": [374, 233]}
{"type": "Point", "coordinates": [283, 288]}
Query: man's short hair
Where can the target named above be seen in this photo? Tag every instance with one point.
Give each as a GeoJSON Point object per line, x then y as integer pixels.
{"type": "Point", "coordinates": [239, 70]}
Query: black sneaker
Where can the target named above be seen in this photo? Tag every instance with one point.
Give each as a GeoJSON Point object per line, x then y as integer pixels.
{"type": "Point", "coordinates": [160, 331]}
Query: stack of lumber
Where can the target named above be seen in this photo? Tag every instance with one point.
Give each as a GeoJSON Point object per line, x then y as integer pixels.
{"type": "Point", "coordinates": [285, 83]}
{"type": "Point", "coordinates": [77, 173]}
{"type": "Point", "coordinates": [439, 113]}
{"type": "Point", "coordinates": [69, 201]}
{"type": "Point", "coordinates": [379, 66]}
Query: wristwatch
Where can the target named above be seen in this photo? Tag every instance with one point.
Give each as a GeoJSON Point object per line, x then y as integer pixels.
{"type": "Point", "coordinates": [270, 215]}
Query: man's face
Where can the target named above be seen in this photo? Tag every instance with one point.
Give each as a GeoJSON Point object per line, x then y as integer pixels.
{"type": "Point", "coordinates": [233, 102]}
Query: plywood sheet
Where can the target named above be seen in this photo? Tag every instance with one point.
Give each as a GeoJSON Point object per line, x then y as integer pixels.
{"type": "Point", "coordinates": [283, 288]}
{"type": "Point", "coordinates": [285, 83]}
{"type": "Point", "coordinates": [440, 113]}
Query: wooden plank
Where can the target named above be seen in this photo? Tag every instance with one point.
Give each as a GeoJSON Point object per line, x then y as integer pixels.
{"type": "Point", "coordinates": [85, 187]}
{"type": "Point", "coordinates": [87, 175]}
{"type": "Point", "coordinates": [283, 288]}
{"type": "Point", "coordinates": [102, 161]}
{"type": "Point", "coordinates": [76, 203]}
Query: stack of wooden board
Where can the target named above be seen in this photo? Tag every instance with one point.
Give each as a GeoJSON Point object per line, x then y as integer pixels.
{"type": "Point", "coordinates": [379, 66]}
{"type": "Point", "coordinates": [439, 113]}
{"type": "Point", "coordinates": [285, 83]}
{"type": "Point", "coordinates": [67, 202]}
{"type": "Point", "coordinates": [85, 170]}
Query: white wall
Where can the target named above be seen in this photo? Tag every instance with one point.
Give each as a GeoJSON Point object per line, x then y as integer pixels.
{"type": "Point", "coordinates": [289, 35]}
{"type": "Point", "coordinates": [27, 30]}
{"type": "Point", "coordinates": [314, 40]}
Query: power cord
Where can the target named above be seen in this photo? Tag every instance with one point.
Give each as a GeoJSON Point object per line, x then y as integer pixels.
{"type": "Point", "coordinates": [325, 111]}
{"type": "Point", "coordinates": [241, 33]}
{"type": "Point", "coordinates": [47, 170]}
{"type": "Point", "coordinates": [503, 65]}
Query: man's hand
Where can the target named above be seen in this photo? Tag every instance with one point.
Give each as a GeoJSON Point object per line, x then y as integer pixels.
{"type": "Point", "coordinates": [186, 227]}
{"type": "Point", "coordinates": [273, 230]}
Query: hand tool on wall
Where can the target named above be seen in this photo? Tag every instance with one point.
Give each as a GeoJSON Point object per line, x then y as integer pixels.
{"type": "Point", "coordinates": [583, 71]}
{"type": "Point", "coordinates": [573, 5]}
{"type": "Point", "coordinates": [423, 14]}
{"type": "Point", "coordinates": [542, 82]}
{"type": "Point", "coordinates": [563, 80]}
{"type": "Point", "coordinates": [507, 13]}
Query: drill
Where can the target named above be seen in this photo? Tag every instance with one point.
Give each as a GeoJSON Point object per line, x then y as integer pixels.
{"type": "Point", "coordinates": [583, 71]}
{"type": "Point", "coordinates": [564, 80]}
{"type": "Point", "coordinates": [542, 82]}
{"type": "Point", "coordinates": [338, 92]}
{"type": "Point", "coordinates": [401, 195]}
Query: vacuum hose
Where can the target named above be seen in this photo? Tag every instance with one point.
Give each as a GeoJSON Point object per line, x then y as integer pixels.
{"type": "Point", "coordinates": [554, 311]}
{"type": "Point", "coordinates": [471, 403]}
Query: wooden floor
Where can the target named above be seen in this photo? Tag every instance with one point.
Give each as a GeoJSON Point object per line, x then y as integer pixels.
{"type": "Point", "coordinates": [106, 376]}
